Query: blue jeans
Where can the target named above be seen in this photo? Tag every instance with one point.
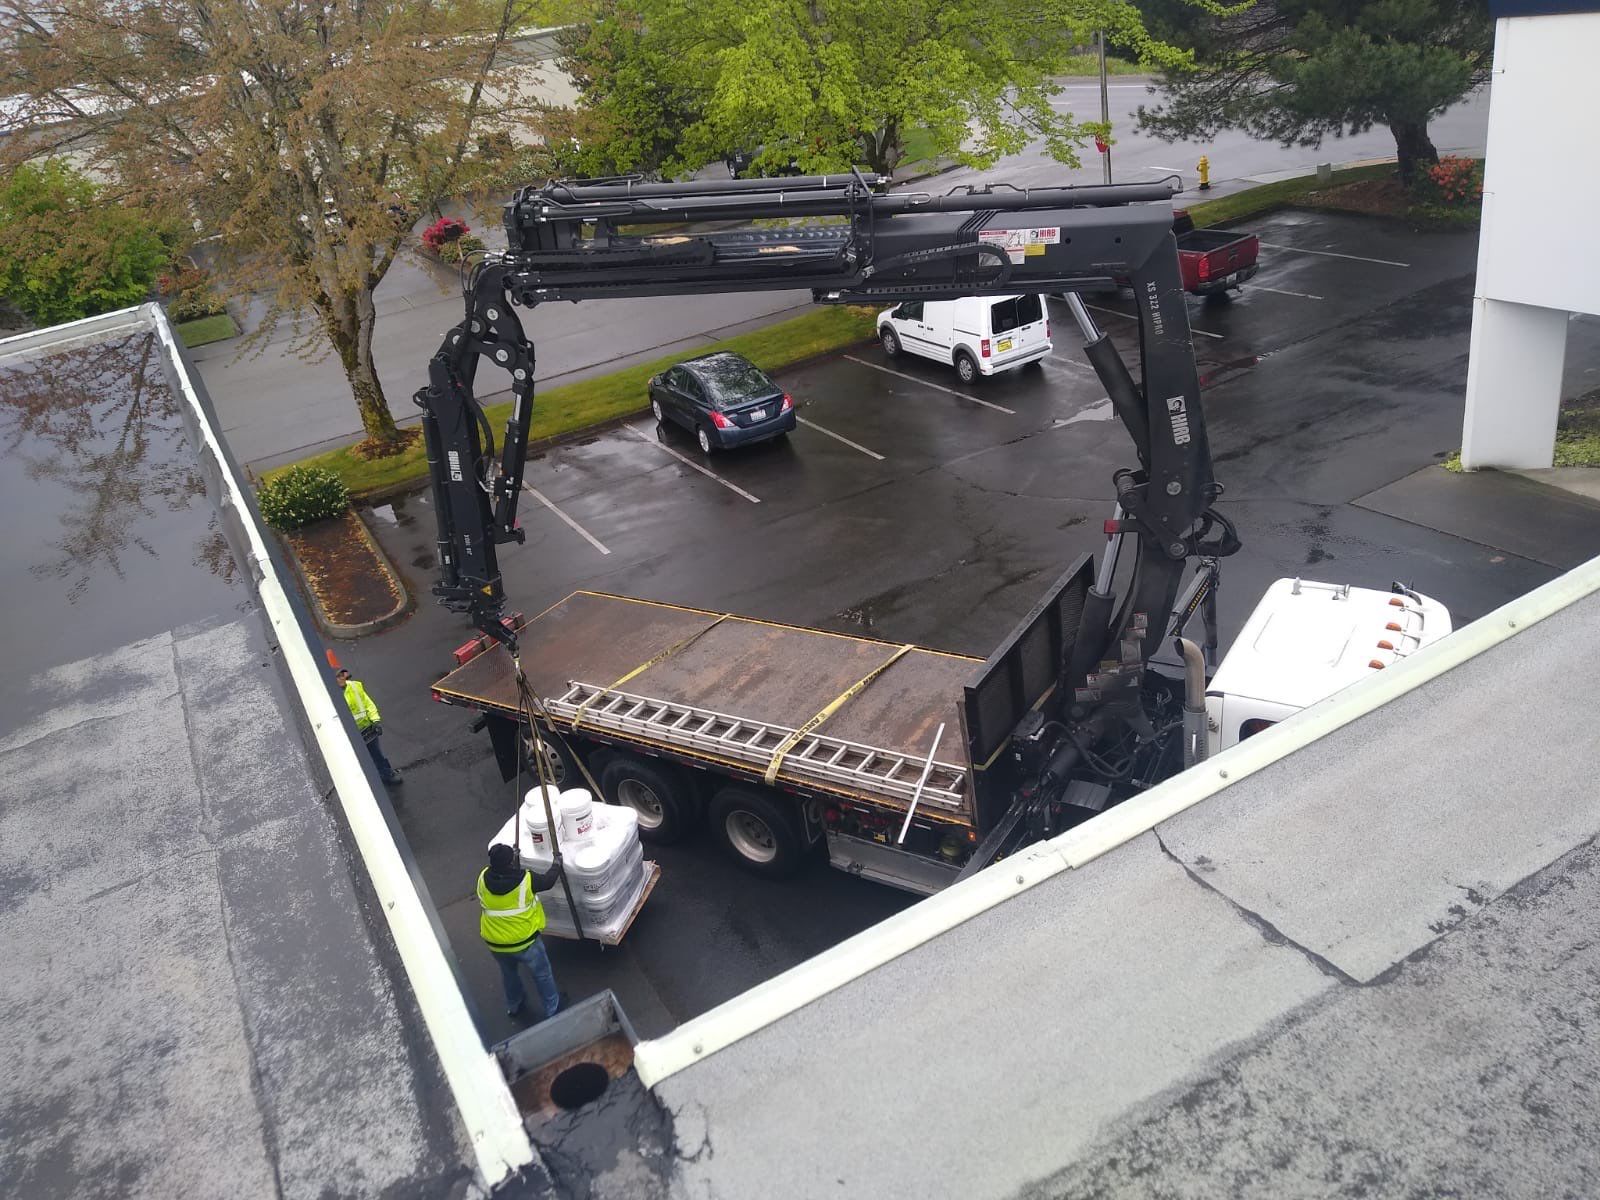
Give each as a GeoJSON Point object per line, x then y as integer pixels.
{"type": "Point", "coordinates": [538, 964]}
{"type": "Point", "coordinates": [375, 748]}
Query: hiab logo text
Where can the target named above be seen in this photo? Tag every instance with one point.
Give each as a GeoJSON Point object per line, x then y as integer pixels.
{"type": "Point", "coordinates": [1179, 412]}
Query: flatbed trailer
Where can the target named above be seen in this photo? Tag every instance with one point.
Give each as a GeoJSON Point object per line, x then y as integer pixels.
{"type": "Point", "coordinates": [776, 736]}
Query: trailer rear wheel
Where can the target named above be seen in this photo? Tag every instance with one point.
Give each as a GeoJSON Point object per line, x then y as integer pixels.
{"type": "Point", "coordinates": [759, 831]}
{"type": "Point", "coordinates": [659, 797]}
{"type": "Point", "coordinates": [560, 767]}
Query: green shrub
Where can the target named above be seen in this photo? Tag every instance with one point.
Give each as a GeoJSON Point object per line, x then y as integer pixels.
{"type": "Point", "coordinates": [467, 243]}
{"type": "Point", "coordinates": [68, 251]}
{"type": "Point", "coordinates": [302, 495]}
{"type": "Point", "coordinates": [187, 291]}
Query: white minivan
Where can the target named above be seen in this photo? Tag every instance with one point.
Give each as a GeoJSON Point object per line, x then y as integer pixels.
{"type": "Point", "coordinates": [979, 335]}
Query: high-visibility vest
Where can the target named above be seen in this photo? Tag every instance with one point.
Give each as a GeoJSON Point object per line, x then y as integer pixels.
{"type": "Point", "coordinates": [509, 923]}
{"type": "Point", "coordinates": [361, 706]}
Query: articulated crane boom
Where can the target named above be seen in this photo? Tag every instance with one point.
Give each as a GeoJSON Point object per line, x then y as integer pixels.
{"type": "Point", "coordinates": [864, 245]}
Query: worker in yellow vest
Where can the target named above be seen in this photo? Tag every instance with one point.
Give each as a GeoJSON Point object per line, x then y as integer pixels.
{"type": "Point", "coordinates": [368, 723]}
{"type": "Point", "coordinates": [510, 924]}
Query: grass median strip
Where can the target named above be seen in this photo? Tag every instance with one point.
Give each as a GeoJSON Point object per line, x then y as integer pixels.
{"type": "Point", "coordinates": [1275, 195]}
{"type": "Point", "coordinates": [589, 402]}
{"type": "Point", "coordinates": [204, 330]}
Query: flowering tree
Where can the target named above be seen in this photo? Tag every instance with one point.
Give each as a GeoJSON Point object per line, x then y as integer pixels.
{"type": "Point", "coordinates": [304, 135]}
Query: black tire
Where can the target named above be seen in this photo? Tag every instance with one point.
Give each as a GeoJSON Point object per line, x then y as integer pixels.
{"type": "Point", "coordinates": [559, 761]}
{"type": "Point", "coordinates": [758, 831]}
{"type": "Point", "coordinates": [661, 799]}
{"type": "Point", "coordinates": [967, 368]}
{"type": "Point", "coordinates": [1222, 297]}
{"type": "Point", "coordinates": [703, 437]}
{"type": "Point", "coordinates": [891, 343]}
{"type": "Point", "coordinates": [657, 411]}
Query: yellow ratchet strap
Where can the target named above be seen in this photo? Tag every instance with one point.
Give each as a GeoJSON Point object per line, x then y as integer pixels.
{"type": "Point", "coordinates": [833, 706]}
{"type": "Point", "coordinates": [661, 656]}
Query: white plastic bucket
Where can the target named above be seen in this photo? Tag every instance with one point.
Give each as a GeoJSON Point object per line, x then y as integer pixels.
{"type": "Point", "coordinates": [577, 815]}
{"type": "Point", "coordinates": [534, 820]}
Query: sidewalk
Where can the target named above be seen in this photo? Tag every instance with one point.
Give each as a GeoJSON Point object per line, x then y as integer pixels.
{"type": "Point", "coordinates": [1506, 511]}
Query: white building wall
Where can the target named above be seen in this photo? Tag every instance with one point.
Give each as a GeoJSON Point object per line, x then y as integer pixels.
{"type": "Point", "coordinates": [1539, 248]}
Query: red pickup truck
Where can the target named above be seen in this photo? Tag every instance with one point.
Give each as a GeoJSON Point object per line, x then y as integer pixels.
{"type": "Point", "coordinates": [1213, 261]}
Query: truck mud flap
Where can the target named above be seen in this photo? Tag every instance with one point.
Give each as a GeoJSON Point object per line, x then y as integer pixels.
{"type": "Point", "coordinates": [505, 736]}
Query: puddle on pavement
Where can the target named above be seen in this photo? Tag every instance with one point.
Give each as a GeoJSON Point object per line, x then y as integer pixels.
{"type": "Point", "coordinates": [1095, 412]}
{"type": "Point", "coordinates": [1216, 370]}
{"type": "Point", "coordinates": [403, 516]}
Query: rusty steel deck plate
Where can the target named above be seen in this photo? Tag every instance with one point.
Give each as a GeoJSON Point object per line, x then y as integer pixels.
{"type": "Point", "coordinates": [757, 670]}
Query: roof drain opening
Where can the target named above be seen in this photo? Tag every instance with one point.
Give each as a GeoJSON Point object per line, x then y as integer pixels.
{"type": "Point", "coordinates": [580, 1084]}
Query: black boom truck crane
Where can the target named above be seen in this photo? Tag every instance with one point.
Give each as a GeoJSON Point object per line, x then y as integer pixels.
{"type": "Point", "coordinates": [1064, 718]}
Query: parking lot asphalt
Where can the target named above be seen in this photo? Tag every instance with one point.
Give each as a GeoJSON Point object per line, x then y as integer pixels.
{"type": "Point", "coordinates": [910, 508]}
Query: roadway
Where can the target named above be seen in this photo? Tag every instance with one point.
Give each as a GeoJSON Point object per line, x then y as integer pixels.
{"type": "Point", "coordinates": [1237, 160]}
{"type": "Point", "coordinates": [911, 509]}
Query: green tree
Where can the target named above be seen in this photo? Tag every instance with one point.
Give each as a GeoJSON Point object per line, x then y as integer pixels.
{"type": "Point", "coordinates": [306, 137]}
{"type": "Point", "coordinates": [1297, 71]}
{"type": "Point", "coordinates": [667, 87]}
{"type": "Point", "coordinates": [67, 250]}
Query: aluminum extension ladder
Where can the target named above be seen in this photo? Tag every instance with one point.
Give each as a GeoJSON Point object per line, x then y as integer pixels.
{"type": "Point", "coordinates": [815, 756]}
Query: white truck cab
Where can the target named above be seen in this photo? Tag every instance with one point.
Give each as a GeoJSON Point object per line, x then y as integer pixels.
{"type": "Point", "coordinates": [978, 335]}
{"type": "Point", "coordinates": [1304, 642]}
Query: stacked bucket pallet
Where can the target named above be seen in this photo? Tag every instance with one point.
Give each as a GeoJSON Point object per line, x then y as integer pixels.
{"type": "Point", "coordinates": [600, 850]}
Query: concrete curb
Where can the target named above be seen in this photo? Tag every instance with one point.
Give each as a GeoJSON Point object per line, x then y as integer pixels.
{"type": "Point", "coordinates": [943, 168]}
{"type": "Point", "coordinates": [327, 624]}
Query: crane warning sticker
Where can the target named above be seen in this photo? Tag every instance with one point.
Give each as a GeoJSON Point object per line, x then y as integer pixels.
{"type": "Point", "coordinates": [1021, 243]}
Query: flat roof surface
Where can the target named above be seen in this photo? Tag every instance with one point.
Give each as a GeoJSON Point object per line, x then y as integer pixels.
{"type": "Point", "coordinates": [197, 999]}
{"type": "Point", "coordinates": [1367, 968]}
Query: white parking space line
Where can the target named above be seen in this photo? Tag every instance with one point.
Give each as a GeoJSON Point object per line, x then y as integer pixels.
{"type": "Point", "coordinates": [1382, 262]}
{"type": "Point", "coordinates": [1261, 287]}
{"type": "Point", "coordinates": [691, 464]}
{"type": "Point", "coordinates": [1171, 170]}
{"type": "Point", "coordinates": [938, 387]}
{"type": "Point", "coordinates": [839, 437]}
{"type": "Point", "coordinates": [571, 524]}
{"type": "Point", "coordinates": [1130, 317]}
{"type": "Point", "coordinates": [1060, 357]}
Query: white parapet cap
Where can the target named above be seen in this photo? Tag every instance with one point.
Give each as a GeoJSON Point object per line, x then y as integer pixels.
{"type": "Point", "coordinates": [478, 1088]}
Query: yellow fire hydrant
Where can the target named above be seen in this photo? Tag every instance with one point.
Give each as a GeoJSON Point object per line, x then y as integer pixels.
{"type": "Point", "coordinates": [1204, 167]}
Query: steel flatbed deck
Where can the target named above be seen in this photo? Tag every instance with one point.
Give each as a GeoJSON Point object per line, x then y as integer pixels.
{"type": "Point", "coordinates": [750, 675]}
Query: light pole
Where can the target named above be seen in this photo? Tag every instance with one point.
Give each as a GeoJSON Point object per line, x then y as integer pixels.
{"type": "Point", "coordinates": [1105, 102]}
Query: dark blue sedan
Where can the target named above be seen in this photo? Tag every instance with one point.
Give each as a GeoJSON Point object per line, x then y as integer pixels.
{"type": "Point", "coordinates": [724, 399]}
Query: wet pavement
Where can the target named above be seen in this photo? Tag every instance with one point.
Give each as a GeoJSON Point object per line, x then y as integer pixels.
{"type": "Point", "coordinates": [906, 509]}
